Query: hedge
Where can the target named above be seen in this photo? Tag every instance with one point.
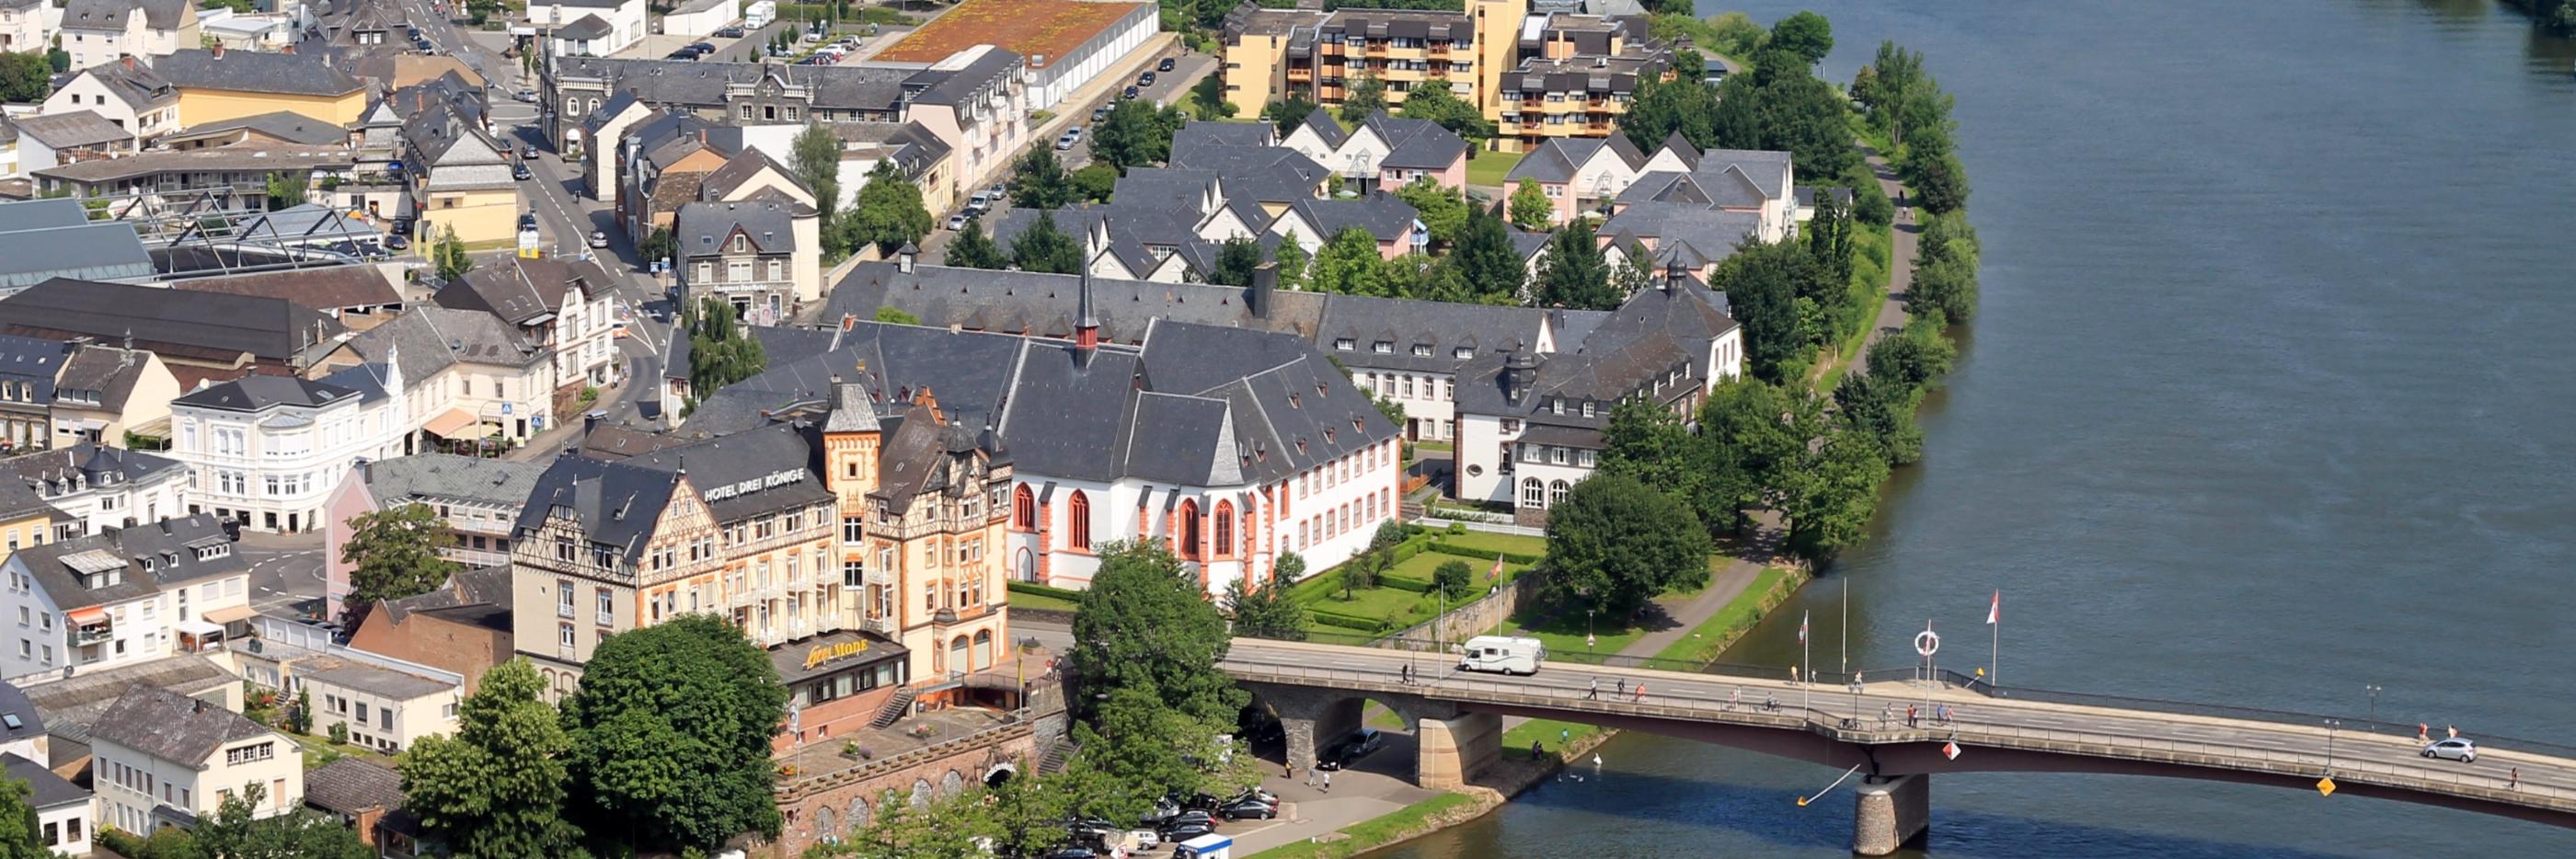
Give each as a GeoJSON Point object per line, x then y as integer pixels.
{"type": "Point", "coordinates": [1448, 548]}
{"type": "Point", "coordinates": [1044, 591]}
{"type": "Point", "coordinates": [1345, 621]}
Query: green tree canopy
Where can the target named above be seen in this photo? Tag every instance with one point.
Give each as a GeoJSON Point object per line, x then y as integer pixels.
{"type": "Point", "coordinates": [20, 836]}
{"type": "Point", "coordinates": [1750, 438]}
{"type": "Point", "coordinates": [1349, 262]}
{"type": "Point", "coordinates": [1805, 35]}
{"type": "Point", "coordinates": [1094, 182]}
{"type": "Point", "coordinates": [1293, 261]}
{"type": "Point", "coordinates": [232, 832]}
{"type": "Point", "coordinates": [1762, 283]}
{"type": "Point", "coordinates": [1442, 210]}
{"type": "Point", "coordinates": [721, 350]}
{"type": "Point", "coordinates": [1660, 108]}
{"type": "Point", "coordinates": [1145, 625]}
{"type": "Point", "coordinates": [889, 212]}
{"type": "Point", "coordinates": [974, 249]}
{"type": "Point", "coordinates": [896, 315]}
{"type": "Point", "coordinates": [1267, 612]}
{"type": "Point", "coordinates": [1486, 259]}
{"type": "Point", "coordinates": [1945, 269]}
{"type": "Point", "coordinates": [395, 553]}
{"type": "Point", "coordinates": [1135, 134]}
{"type": "Point", "coordinates": [1574, 275]}
{"type": "Point", "coordinates": [815, 155]}
{"type": "Point", "coordinates": [25, 77]}
{"type": "Point", "coordinates": [497, 788]}
{"type": "Point", "coordinates": [1439, 104]}
{"type": "Point", "coordinates": [1040, 180]}
{"type": "Point", "coordinates": [1235, 262]}
{"type": "Point", "coordinates": [1365, 96]}
{"type": "Point", "coordinates": [1530, 209]}
{"type": "Point", "coordinates": [1831, 496]}
{"type": "Point", "coordinates": [1454, 578]}
{"type": "Point", "coordinates": [450, 254]}
{"type": "Point", "coordinates": [1289, 113]}
{"type": "Point", "coordinates": [1614, 543]}
{"type": "Point", "coordinates": [671, 729]}
{"type": "Point", "coordinates": [1781, 106]}
{"type": "Point", "coordinates": [1044, 247]}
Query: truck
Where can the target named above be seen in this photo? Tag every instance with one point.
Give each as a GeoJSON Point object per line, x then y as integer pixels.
{"type": "Point", "coordinates": [1502, 654]}
{"type": "Point", "coordinates": [1209, 846]}
{"type": "Point", "coordinates": [758, 15]}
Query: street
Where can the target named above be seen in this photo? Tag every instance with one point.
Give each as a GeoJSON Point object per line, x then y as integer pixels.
{"type": "Point", "coordinates": [285, 572]}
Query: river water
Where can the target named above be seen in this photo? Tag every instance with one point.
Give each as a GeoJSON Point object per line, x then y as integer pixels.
{"type": "Point", "coordinates": [2269, 401]}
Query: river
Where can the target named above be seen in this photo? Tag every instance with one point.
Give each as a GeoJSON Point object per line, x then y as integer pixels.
{"type": "Point", "coordinates": [2269, 401]}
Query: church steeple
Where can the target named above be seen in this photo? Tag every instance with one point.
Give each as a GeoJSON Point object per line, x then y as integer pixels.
{"type": "Point", "coordinates": [1086, 325]}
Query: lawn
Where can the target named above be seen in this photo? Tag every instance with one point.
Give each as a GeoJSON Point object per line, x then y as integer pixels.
{"type": "Point", "coordinates": [1043, 602]}
{"type": "Point", "coordinates": [1713, 635]}
{"type": "Point", "coordinates": [1487, 541]}
{"type": "Point", "coordinates": [1400, 607]}
{"type": "Point", "coordinates": [1489, 168]}
{"type": "Point", "coordinates": [1371, 834]}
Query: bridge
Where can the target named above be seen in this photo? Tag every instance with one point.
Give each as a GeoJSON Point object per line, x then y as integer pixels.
{"type": "Point", "coordinates": [1317, 691]}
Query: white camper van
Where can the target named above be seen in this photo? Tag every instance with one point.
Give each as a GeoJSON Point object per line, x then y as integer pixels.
{"type": "Point", "coordinates": [1502, 655]}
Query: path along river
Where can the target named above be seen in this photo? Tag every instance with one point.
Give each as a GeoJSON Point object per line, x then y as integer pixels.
{"type": "Point", "coordinates": [2270, 401]}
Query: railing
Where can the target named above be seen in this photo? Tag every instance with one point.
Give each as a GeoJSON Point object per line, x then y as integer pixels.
{"type": "Point", "coordinates": [86, 636]}
{"type": "Point", "coordinates": [2348, 723]}
{"type": "Point", "coordinates": [2485, 784]}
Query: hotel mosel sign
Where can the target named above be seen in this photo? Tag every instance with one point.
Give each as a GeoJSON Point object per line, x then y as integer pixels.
{"type": "Point", "coordinates": [823, 653]}
{"type": "Point", "coordinates": [729, 490]}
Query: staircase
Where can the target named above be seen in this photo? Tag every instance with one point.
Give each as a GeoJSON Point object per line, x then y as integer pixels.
{"type": "Point", "coordinates": [1412, 510]}
{"type": "Point", "coordinates": [1056, 756]}
{"type": "Point", "coordinates": [896, 708]}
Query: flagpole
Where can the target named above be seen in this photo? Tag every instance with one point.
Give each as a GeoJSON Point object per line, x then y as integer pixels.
{"type": "Point", "coordinates": [1995, 638]}
{"type": "Point", "coordinates": [1805, 664]}
{"type": "Point", "coordinates": [1846, 624]}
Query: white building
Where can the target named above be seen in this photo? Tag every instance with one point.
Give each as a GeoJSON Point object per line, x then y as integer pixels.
{"type": "Point", "coordinates": [104, 487]}
{"type": "Point", "coordinates": [385, 704]}
{"type": "Point", "coordinates": [563, 305]}
{"type": "Point", "coordinates": [619, 24]}
{"type": "Point", "coordinates": [100, 31]}
{"type": "Point", "coordinates": [132, 595]}
{"type": "Point", "coordinates": [701, 17]}
{"type": "Point", "coordinates": [62, 808]}
{"type": "Point", "coordinates": [125, 92]}
{"type": "Point", "coordinates": [28, 25]}
{"type": "Point", "coordinates": [154, 751]}
{"type": "Point", "coordinates": [266, 450]}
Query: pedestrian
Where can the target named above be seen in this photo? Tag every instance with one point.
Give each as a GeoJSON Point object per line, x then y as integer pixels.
{"type": "Point", "coordinates": [1287, 770]}
{"type": "Point", "coordinates": [1886, 714]}
{"type": "Point", "coordinates": [1623, 686]}
{"type": "Point", "coordinates": [1594, 692]}
{"type": "Point", "coordinates": [1536, 749]}
{"type": "Point", "coordinates": [1406, 672]}
{"type": "Point", "coordinates": [1328, 781]}
{"type": "Point", "coordinates": [2423, 732]}
{"type": "Point", "coordinates": [2514, 779]}
{"type": "Point", "coordinates": [1311, 773]}
{"type": "Point", "coordinates": [1909, 715]}
{"type": "Point", "coordinates": [1641, 691]}
{"type": "Point", "coordinates": [2454, 729]}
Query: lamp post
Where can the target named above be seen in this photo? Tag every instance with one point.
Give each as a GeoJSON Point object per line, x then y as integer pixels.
{"type": "Point", "coordinates": [2331, 725]}
{"type": "Point", "coordinates": [1586, 593]}
{"type": "Point", "coordinates": [2374, 689]}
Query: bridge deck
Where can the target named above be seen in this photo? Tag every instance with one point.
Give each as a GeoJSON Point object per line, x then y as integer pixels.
{"type": "Point", "coordinates": [1844, 725]}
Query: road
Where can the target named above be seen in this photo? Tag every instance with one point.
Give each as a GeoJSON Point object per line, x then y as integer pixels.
{"type": "Point", "coordinates": [285, 572]}
{"type": "Point", "coordinates": [2311, 748]}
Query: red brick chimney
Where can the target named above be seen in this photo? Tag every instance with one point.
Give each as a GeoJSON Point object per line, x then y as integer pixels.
{"type": "Point", "coordinates": [218, 51]}
{"type": "Point", "coordinates": [129, 61]}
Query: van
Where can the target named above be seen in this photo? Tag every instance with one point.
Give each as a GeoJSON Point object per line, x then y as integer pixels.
{"type": "Point", "coordinates": [1502, 654]}
{"type": "Point", "coordinates": [1205, 847]}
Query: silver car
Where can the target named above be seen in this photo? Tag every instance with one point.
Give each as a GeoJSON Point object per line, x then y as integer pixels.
{"type": "Point", "coordinates": [2455, 749]}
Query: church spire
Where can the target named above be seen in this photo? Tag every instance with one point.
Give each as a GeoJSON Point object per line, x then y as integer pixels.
{"type": "Point", "coordinates": [1086, 326]}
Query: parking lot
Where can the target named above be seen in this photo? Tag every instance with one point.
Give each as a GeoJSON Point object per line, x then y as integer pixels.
{"type": "Point", "coordinates": [1168, 87]}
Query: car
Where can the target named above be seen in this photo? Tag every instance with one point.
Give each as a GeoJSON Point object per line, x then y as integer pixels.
{"type": "Point", "coordinates": [729, 32]}
{"type": "Point", "coordinates": [1092, 827]}
{"type": "Point", "coordinates": [957, 222]}
{"type": "Point", "coordinates": [703, 47]}
{"type": "Point", "coordinates": [1146, 79]}
{"type": "Point", "coordinates": [396, 241]}
{"type": "Point", "coordinates": [1068, 140]}
{"type": "Point", "coordinates": [1166, 65]}
{"type": "Point", "coordinates": [528, 220]}
{"type": "Point", "coordinates": [529, 152]}
{"type": "Point", "coordinates": [1248, 809]}
{"type": "Point", "coordinates": [1074, 853]}
{"type": "Point", "coordinates": [1353, 748]}
{"type": "Point", "coordinates": [681, 54]}
{"type": "Point", "coordinates": [1187, 817]}
{"type": "Point", "coordinates": [1130, 92]}
{"type": "Point", "coordinates": [525, 94]}
{"type": "Point", "coordinates": [978, 204]}
{"type": "Point", "coordinates": [2454, 749]}
{"type": "Point", "coordinates": [1099, 113]}
{"type": "Point", "coordinates": [519, 170]}
{"type": "Point", "coordinates": [598, 238]}
{"type": "Point", "coordinates": [1180, 832]}
{"type": "Point", "coordinates": [1164, 810]}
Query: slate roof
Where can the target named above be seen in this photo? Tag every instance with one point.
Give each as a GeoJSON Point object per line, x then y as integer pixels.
{"type": "Point", "coordinates": [168, 542]}
{"type": "Point", "coordinates": [13, 701]}
{"type": "Point", "coordinates": [1274, 174]}
{"type": "Point", "coordinates": [1043, 304]}
{"type": "Point", "coordinates": [35, 361]}
{"type": "Point", "coordinates": [618, 503]}
{"type": "Point", "coordinates": [284, 125]}
{"type": "Point", "coordinates": [1653, 332]}
{"type": "Point", "coordinates": [1165, 189]}
{"type": "Point", "coordinates": [706, 229]}
{"type": "Point", "coordinates": [1200, 133]}
{"type": "Point", "coordinates": [743, 167]}
{"type": "Point", "coordinates": [521, 290]}
{"type": "Point", "coordinates": [1326, 127]}
{"type": "Point", "coordinates": [351, 786]}
{"type": "Point", "coordinates": [1418, 144]}
{"type": "Point", "coordinates": [18, 215]}
{"type": "Point", "coordinates": [367, 678]}
{"type": "Point", "coordinates": [924, 456]}
{"type": "Point", "coordinates": [448, 476]}
{"type": "Point", "coordinates": [90, 463]}
{"type": "Point", "coordinates": [49, 790]}
{"type": "Point", "coordinates": [255, 71]}
{"type": "Point", "coordinates": [431, 339]}
{"type": "Point", "coordinates": [173, 727]}
{"type": "Point", "coordinates": [460, 597]}
{"type": "Point", "coordinates": [1709, 234]}
{"type": "Point", "coordinates": [19, 501]}
{"type": "Point", "coordinates": [254, 393]}
{"type": "Point", "coordinates": [1385, 216]}
{"type": "Point", "coordinates": [139, 85]}
{"type": "Point", "coordinates": [588, 27]}
{"type": "Point", "coordinates": [1444, 327]}
{"type": "Point", "coordinates": [72, 704]}
{"type": "Point", "coordinates": [239, 158]}
{"type": "Point", "coordinates": [989, 68]}
{"type": "Point", "coordinates": [326, 287]}
{"type": "Point", "coordinates": [108, 371]}
{"type": "Point", "coordinates": [702, 84]}
{"type": "Point", "coordinates": [1767, 172]}
{"type": "Point", "coordinates": [71, 130]}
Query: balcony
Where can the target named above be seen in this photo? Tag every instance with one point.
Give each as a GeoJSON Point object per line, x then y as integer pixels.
{"type": "Point", "coordinates": [88, 635]}
{"type": "Point", "coordinates": [879, 625]}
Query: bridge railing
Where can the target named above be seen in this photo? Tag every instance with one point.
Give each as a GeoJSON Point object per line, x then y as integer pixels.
{"type": "Point", "coordinates": [2356, 724]}
{"type": "Point", "coordinates": [1968, 731]}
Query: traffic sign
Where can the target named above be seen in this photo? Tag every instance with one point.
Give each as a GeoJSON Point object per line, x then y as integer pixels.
{"type": "Point", "coordinates": [1950, 750]}
{"type": "Point", "coordinates": [2326, 786]}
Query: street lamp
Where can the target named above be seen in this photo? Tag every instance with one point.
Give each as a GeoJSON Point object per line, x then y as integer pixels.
{"type": "Point", "coordinates": [1586, 593]}
{"type": "Point", "coordinates": [2331, 725]}
{"type": "Point", "coordinates": [2374, 689]}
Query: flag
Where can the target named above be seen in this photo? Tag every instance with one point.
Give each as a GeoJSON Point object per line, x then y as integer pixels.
{"type": "Point", "coordinates": [1802, 628]}
{"type": "Point", "coordinates": [1495, 571]}
{"type": "Point", "coordinates": [1995, 610]}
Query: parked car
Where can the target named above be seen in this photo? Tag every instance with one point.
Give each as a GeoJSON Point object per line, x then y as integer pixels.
{"type": "Point", "coordinates": [1074, 853]}
{"type": "Point", "coordinates": [1163, 811]}
{"type": "Point", "coordinates": [1165, 65]}
{"type": "Point", "coordinates": [1099, 113]}
{"type": "Point", "coordinates": [396, 241]}
{"type": "Point", "coordinates": [2453, 749]}
{"type": "Point", "coordinates": [1069, 138]}
{"type": "Point", "coordinates": [1248, 809]}
{"type": "Point", "coordinates": [598, 238]}
{"type": "Point", "coordinates": [703, 47]}
{"type": "Point", "coordinates": [681, 54]}
{"type": "Point", "coordinates": [519, 171]}
{"type": "Point", "coordinates": [978, 204]}
{"type": "Point", "coordinates": [957, 222]}
{"type": "Point", "coordinates": [1130, 92]}
{"type": "Point", "coordinates": [1092, 828]}
{"type": "Point", "coordinates": [1355, 747]}
{"type": "Point", "coordinates": [1146, 79]}
{"type": "Point", "coordinates": [528, 220]}
{"type": "Point", "coordinates": [997, 192]}
{"type": "Point", "coordinates": [525, 94]}
{"type": "Point", "coordinates": [729, 32]}
{"type": "Point", "coordinates": [1183, 831]}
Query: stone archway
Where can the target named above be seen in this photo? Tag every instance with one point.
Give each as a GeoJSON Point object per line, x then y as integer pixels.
{"type": "Point", "coordinates": [1000, 774]}
{"type": "Point", "coordinates": [1450, 747]}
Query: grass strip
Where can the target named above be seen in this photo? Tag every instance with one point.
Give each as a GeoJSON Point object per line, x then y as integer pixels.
{"type": "Point", "coordinates": [1375, 833]}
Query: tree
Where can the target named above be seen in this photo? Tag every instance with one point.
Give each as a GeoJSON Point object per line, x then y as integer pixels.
{"type": "Point", "coordinates": [1915, 358]}
{"type": "Point", "coordinates": [1289, 113]}
{"type": "Point", "coordinates": [1040, 180]}
{"type": "Point", "coordinates": [1945, 269]}
{"type": "Point", "coordinates": [1145, 627]}
{"type": "Point", "coordinates": [1530, 209]}
{"type": "Point", "coordinates": [1829, 236]}
{"type": "Point", "coordinates": [1574, 275]}
{"type": "Point", "coordinates": [1267, 612]}
{"type": "Point", "coordinates": [396, 554]}
{"type": "Point", "coordinates": [1660, 108]}
{"type": "Point", "coordinates": [1902, 98]}
{"type": "Point", "coordinates": [1780, 105]}
{"type": "Point", "coordinates": [20, 836]}
{"type": "Point", "coordinates": [1806, 34]}
{"type": "Point", "coordinates": [1636, 271]}
{"type": "Point", "coordinates": [58, 60]}
{"type": "Point", "coordinates": [1365, 97]}
{"type": "Point", "coordinates": [1235, 261]}
{"type": "Point", "coordinates": [1881, 409]}
{"type": "Point", "coordinates": [232, 832]}
{"type": "Point", "coordinates": [659, 245]}
{"type": "Point", "coordinates": [1045, 248]}
{"type": "Point", "coordinates": [1453, 578]}
{"type": "Point", "coordinates": [1486, 259]}
{"type": "Point", "coordinates": [1829, 501]}
{"type": "Point", "coordinates": [1094, 182]}
{"type": "Point", "coordinates": [889, 211]}
{"type": "Point", "coordinates": [1357, 574]}
{"type": "Point", "coordinates": [1350, 263]}
{"type": "Point", "coordinates": [1749, 440]}
{"type": "Point", "coordinates": [300, 719]}
{"type": "Point", "coordinates": [1441, 210]}
{"type": "Point", "coordinates": [1940, 184]}
{"type": "Point", "coordinates": [1292, 259]}
{"type": "Point", "coordinates": [1648, 442]}
{"type": "Point", "coordinates": [973, 249]}
{"type": "Point", "coordinates": [450, 253]}
{"type": "Point", "coordinates": [1135, 134]}
{"type": "Point", "coordinates": [815, 155]}
{"type": "Point", "coordinates": [1615, 543]}
{"type": "Point", "coordinates": [1762, 283]}
{"type": "Point", "coordinates": [721, 350]}
{"type": "Point", "coordinates": [498, 787]}
{"type": "Point", "coordinates": [670, 736]}
{"type": "Point", "coordinates": [1439, 104]}
{"type": "Point", "coordinates": [285, 190]}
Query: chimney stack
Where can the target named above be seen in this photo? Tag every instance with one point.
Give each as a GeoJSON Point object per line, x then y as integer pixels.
{"type": "Point", "coordinates": [1256, 298]}
{"type": "Point", "coordinates": [218, 50]}
{"type": "Point", "coordinates": [1086, 326]}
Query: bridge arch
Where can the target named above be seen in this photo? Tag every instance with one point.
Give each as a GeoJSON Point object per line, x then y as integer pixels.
{"type": "Point", "coordinates": [1312, 719]}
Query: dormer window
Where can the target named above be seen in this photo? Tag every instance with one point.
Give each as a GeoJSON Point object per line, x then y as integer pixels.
{"type": "Point", "coordinates": [1422, 350]}
{"type": "Point", "coordinates": [1383, 347]}
{"type": "Point", "coordinates": [741, 244]}
{"type": "Point", "coordinates": [1587, 408]}
{"type": "Point", "coordinates": [1345, 344]}
{"type": "Point", "coordinates": [1463, 353]}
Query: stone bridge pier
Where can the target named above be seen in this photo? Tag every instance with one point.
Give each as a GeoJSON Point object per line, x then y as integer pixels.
{"type": "Point", "coordinates": [1453, 747]}
{"type": "Point", "coordinates": [1891, 813]}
